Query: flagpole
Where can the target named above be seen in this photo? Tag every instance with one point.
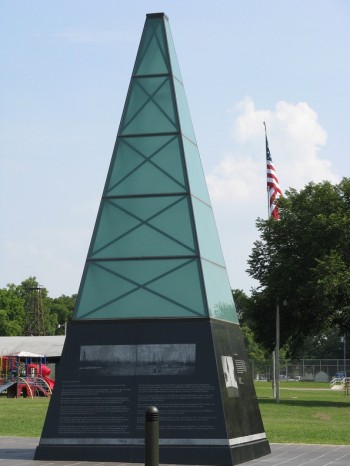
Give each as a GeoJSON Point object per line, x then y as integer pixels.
{"type": "Point", "coordinates": [267, 188]}
{"type": "Point", "coordinates": [276, 353]}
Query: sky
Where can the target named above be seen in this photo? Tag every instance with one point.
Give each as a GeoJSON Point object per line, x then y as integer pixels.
{"type": "Point", "coordinates": [64, 74]}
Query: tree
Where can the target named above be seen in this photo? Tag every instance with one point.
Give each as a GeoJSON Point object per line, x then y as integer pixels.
{"type": "Point", "coordinates": [16, 303]}
{"type": "Point", "coordinates": [329, 345]}
{"type": "Point", "coordinates": [243, 303]}
{"type": "Point", "coordinates": [62, 308]}
{"type": "Point", "coordinates": [12, 311]}
{"type": "Point", "coordinates": [303, 258]}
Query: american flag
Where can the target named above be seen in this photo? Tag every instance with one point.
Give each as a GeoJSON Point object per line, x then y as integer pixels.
{"type": "Point", "coordinates": [273, 187]}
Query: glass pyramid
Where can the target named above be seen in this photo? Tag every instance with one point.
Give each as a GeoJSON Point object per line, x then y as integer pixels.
{"type": "Point", "coordinates": [155, 250]}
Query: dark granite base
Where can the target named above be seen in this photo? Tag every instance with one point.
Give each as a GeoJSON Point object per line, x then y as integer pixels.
{"type": "Point", "coordinates": [249, 452]}
{"type": "Point", "coordinates": [195, 372]}
{"type": "Point", "coordinates": [220, 456]}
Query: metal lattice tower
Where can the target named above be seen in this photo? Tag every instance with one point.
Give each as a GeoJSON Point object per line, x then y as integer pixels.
{"type": "Point", "coordinates": [35, 324]}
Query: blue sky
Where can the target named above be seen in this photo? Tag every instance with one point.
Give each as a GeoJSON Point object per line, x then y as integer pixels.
{"type": "Point", "coordinates": [65, 70]}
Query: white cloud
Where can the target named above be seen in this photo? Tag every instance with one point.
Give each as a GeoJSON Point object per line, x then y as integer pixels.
{"type": "Point", "coordinates": [234, 179]}
{"type": "Point", "coordinates": [295, 137]}
{"type": "Point", "coordinates": [237, 184]}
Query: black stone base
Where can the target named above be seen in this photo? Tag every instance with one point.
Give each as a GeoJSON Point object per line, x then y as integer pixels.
{"type": "Point", "coordinates": [195, 372]}
{"type": "Point", "coordinates": [220, 456]}
{"type": "Point", "coordinates": [249, 452]}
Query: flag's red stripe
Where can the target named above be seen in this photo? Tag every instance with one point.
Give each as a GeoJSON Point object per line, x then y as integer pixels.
{"type": "Point", "coordinates": [274, 190]}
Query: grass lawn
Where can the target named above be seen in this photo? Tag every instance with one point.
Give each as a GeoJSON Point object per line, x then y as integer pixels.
{"type": "Point", "coordinates": [307, 413]}
{"type": "Point", "coordinates": [22, 417]}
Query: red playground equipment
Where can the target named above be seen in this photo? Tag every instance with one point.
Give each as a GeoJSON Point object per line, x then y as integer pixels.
{"type": "Point", "coordinates": [25, 374]}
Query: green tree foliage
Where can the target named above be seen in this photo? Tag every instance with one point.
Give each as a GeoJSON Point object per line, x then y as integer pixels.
{"type": "Point", "coordinates": [329, 345]}
{"type": "Point", "coordinates": [304, 258]}
{"type": "Point", "coordinates": [12, 311]}
{"type": "Point", "coordinates": [62, 308]}
{"type": "Point", "coordinates": [16, 302]}
{"type": "Point", "coordinates": [255, 351]}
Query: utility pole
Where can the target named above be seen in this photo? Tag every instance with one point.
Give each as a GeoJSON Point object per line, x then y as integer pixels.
{"type": "Point", "coordinates": [343, 340]}
{"type": "Point", "coordinates": [277, 353]}
{"type": "Point", "coordinates": [345, 354]}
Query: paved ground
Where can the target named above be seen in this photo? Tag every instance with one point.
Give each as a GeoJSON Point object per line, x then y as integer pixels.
{"type": "Point", "coordinates": [20, 451]}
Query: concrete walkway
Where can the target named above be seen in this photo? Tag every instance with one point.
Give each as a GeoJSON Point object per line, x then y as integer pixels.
{"type": "Point", "coordinates": [19, 451]}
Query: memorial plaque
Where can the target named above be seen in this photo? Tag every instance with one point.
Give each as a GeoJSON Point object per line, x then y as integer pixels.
{"type": "Point", "coordinates": [193, 371]}
{"type": "Point", "coordinates": [155, 322]}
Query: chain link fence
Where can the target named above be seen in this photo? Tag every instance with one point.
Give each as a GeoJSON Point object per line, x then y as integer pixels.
{"type": "Point", "coordinates": [317, 370]}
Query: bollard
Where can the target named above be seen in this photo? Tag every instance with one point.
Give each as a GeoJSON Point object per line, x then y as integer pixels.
{"type": "Point", "coordinates": [152, 436]}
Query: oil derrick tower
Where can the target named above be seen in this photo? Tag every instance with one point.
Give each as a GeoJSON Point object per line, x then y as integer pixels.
{"type": "Point", "coordinates": [35, 324]}
{"type": "Point", "coordinates": [154, 294]}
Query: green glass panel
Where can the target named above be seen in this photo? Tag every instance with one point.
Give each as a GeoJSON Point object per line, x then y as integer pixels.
{"type": "Point", "coordinates": [184, 113]}
{"type": "Point", "coordinates": [145, 165]}
{"type": "Point", "coordinates": [173, 58]}
{"type": "Point", "coordinates": [152, 57]}
{"type": "Point", "coordinates": [198, 186]}
{"type": "Point", "coordinates": [218, 291]}
{"type": "Point", "coordinates": [145, 288]}
{"type": "Point", "coordinates": [111, 224]}
{"type": "Point", "coordinates": [150, 108]}
{"type": "Point", "coordinates": [144, 259]}
{"type": "Point", "coordinates": [208, 239]}
{"type": "Point", "coordinates": [143, 227]}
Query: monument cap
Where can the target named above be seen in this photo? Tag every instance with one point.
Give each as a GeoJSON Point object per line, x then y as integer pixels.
{"type": "Point", "coordinates": [157, 15]}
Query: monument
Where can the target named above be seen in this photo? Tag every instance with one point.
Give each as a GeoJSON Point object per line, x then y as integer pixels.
{"type": "Point", "coordinates": [155, 323]}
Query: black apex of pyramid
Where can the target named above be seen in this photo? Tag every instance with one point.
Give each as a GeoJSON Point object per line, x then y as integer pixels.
{"type": "Point", "coordinates": [157, 15]}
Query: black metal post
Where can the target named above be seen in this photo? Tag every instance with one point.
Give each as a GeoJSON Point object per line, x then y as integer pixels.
{"type": "Point", "coordinates": [152, 436]}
